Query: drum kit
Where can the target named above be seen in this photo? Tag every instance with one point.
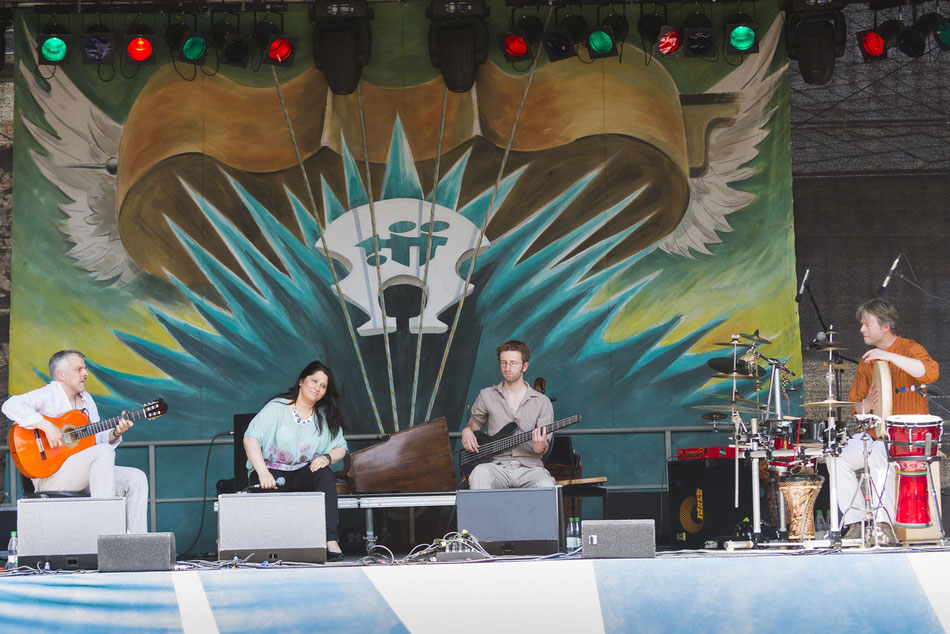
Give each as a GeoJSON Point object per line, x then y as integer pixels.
{"type": "Point", "coordinates": [785, 450]}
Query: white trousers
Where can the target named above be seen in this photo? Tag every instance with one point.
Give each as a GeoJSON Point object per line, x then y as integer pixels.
{"type": "Point", "coordinates": [509, 474]}
{"type": "Point", "coordinates": [94, 469]}
{"type": "Point", "coordinates": [881, 472]}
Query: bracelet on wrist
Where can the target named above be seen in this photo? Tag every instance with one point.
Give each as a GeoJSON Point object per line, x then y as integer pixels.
{"type": "Point", "coordinates": [329, 458]}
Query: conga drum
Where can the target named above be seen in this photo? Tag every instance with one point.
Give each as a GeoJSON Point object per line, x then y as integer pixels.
{"type": "Point", "coordinates": [800, 493]}
{"type": "Point", "coordinates": [912, 442]}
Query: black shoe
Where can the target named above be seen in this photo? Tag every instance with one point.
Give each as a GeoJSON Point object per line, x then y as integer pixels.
{"type": "Point", "coordinates": [334, 556]}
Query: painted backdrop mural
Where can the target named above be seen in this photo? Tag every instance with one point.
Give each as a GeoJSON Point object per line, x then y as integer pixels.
{"type": "Point", "coordinates": [163, 224]}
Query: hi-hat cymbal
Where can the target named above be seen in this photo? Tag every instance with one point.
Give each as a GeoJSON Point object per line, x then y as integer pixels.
{"type": "Point", "coordinates": [755, 337]}
{"type": "Point", "coordinates": [829, 403]}
{"type": "Point", "coordinates": [726, 365]}
{"type": "Point", "coordinates": [831, 348]}
{"type": "Point", "coordinates": [714, 416]}
{"type": "Point", "coordinates": [732, 375]}
{"type": "Point", "coordinates": [728, 397]}
{"type": "Point", "coordinates": [738, 344]}
{"type": "Point", "coordinates": [734, 408]}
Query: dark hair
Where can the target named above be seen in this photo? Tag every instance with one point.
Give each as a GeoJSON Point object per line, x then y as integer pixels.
{"type": "Point", "coordinates": [59, 358]}
{"type": "Point", "coordinates": [513, 345]}
{"type": "Point", "coordinates": [329, 404]}
{"type": "Point", "coordinates": [882, 310]}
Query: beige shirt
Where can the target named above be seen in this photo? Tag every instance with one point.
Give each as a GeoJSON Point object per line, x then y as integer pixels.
{"type": "Point", "coordinates": [534, 411]}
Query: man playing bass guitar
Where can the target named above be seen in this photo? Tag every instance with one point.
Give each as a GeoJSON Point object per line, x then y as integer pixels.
{"type": "Point", "coordinates": [512, 400]}
{"type": "Point", "coordinates": [92, 468]}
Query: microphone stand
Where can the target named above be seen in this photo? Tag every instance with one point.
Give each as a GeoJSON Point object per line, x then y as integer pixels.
{"type": "Point", "coordinates": [811, 298]}
{"type": "Point", "coordinates": [921, 289]}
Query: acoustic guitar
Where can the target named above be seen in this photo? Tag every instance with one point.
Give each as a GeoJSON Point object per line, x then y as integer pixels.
{"type": "Point", "coordinates": [506, 437]}
{"type": "Point", "coordinates": [36, 459]}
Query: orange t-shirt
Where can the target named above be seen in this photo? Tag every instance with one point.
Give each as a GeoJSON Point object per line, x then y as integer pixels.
{"type": "Point", "coordinates": [906, 402]}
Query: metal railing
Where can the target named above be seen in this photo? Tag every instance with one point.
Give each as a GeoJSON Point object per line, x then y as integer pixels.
{"type": "Point", "coordinates": [14, 476]}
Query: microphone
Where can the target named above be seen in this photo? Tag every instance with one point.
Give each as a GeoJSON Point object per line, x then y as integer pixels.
{"type": "Point", "coordinates": [801, 289]}
{"type": "Point", "coordinates": [280, 481]}
{"type": "Point", "coordinates": [887, 280]}
{"type": "Point", "coordinates": [911, 388]}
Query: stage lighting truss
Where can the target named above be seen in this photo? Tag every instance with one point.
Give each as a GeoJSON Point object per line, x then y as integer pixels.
{"type": "Point", "coordinates": [605, 40]}
{"type": "Point", "coordinates": [52, 44]}
{"type": "Point", "coordinates": [458, 40]}
{"type": "Point", "coordinates": [699, 39]}
{"type": "Point", "coordinates": [341, 42]}
{"type": "Point", "coordinates": [517, 42]}
{"type": "Point", "coordinates": [741, 37]}
{"type": "Point", "coordinates": [561, 42]}
{"type": "Point", "coordinates": [815, 34]}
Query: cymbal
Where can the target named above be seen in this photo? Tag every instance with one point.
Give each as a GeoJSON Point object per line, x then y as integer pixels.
{"type": "Point", "coordinates": [735, 408]}
{"type": "Point", "coordinates": [829, 403]}
{"type": "Point", "coordinates": [755, 337]}
{"type": "Point", "coordinates": [714, 416]}
{"type": "Point", "coordinates": [834, 366]}
{"type": "Point", "coordinates": [728, 397]}
{"type": "Point", "coordinates": [831, 348]}
{"type": "Point", "coordinates": [732, 375]}
{"type": "Point", "coordinates": [738, 344]}
{"type": "Point", "coordinates": [726, 366]}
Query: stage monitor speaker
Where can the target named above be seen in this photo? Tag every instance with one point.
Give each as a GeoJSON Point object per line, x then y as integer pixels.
{"type": "Point", "coordinates": [137, 553]}
{"type": "Point", "coordinates": [606, 539]}
{"type": "Point", "coordinates": [65, 531]}
{"type": "Point", "coordinates": [272, 526]}
{"type": "Point", "coordinates": [702, 500]}
{"type": "Point", "coordinates": [512, 521]}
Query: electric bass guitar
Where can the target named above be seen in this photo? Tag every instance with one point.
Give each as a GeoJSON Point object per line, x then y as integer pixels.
{"type": "Point", "coordinates": [36, 459]}
{"type": "Point", "coordinates": [506, 438]}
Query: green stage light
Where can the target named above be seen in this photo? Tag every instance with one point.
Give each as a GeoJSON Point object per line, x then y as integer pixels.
{"type": "Point", "coordinates": [53, 45]}
{"type": "Point", "coordinates": [194, 49]}
{"type": "Point", "coordinates": [741, 38]}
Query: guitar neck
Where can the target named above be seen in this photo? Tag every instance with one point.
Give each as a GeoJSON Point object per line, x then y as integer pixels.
{"type": "Point", "coordinates": [516, 439]}
{"type": "Point", "coordinates": [107, 423]}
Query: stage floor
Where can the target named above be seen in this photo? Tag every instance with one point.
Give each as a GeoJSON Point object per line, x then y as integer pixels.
{"type": "Point", "coordinates": [884, 590]}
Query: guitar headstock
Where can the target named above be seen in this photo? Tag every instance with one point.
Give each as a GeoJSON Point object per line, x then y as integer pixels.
{"type": "Point", "coordinates": [156, 408]}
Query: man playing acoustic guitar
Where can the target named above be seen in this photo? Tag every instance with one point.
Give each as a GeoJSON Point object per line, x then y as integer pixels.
{"type": "Point", "coordinates": [512, 400]}
{"type": "Point", "coordinates": [92, 468]}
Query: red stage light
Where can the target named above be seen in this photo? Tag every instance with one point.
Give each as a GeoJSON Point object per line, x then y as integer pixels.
{"type": "Point", "coordinates": [139, 49]}
{"type": "Point", "coordinates": [280, 50]}
{"type": "Point", "coordinates": [516, 45]}
{"type": "Point", "coordinates": [873, 44]}
{"type": "Point", "coordinates": [669, 42]}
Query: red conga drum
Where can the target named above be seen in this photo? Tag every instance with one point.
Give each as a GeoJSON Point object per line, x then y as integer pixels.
{"type": "Point", "coordinates": [912, 442]}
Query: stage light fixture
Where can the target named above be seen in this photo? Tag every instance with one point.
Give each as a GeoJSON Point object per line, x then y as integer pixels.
{"type": "Point", "coordinates": [458, 40]}
{"type": "Point", "coordinates": [741, 36]}
{"type": "Point", "coordinates": [52, 45]}
{"type": "Point", "coordinates": [698, 35]}
{"type": "Point", "coordinates": [516, 44]}
{"type": "Point", "coordinates": [814, 36]}
{"type": "Point", "coordinates": [602, 41]}
{"type": "Point", "coordinates": [341, 42]}
{"type": "Point", "coordinates": [941, 31]}
{"type": "Point", "coordinates": [912, 40]}
{"type": "Point", "coordinates": [98, 46]}
{"type": "Point", "coordinates": [561, 42]}
{"type": "Point", "coordinates": [875, 42]}
{"type": "Point", "coordinates": [140, 44]}
{"type": "Point", "coordinates": [279, 49]}
{"type": "Point", "coordinates": [648, 26]}
{"type": "Point", "coordinates": [233, 48]}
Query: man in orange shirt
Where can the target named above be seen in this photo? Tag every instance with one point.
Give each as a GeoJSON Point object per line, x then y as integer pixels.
{"type": "Point", "coordinates": [909, 364]}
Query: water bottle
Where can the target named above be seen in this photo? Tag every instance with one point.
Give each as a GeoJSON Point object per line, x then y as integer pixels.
{"type": "Point", "coordinates": [12, 557]}
{"type": "Point", "coordinates": [573, 533]}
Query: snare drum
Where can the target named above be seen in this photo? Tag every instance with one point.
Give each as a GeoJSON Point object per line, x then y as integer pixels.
{"type": "Point", "coordinates": [906, 436]}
